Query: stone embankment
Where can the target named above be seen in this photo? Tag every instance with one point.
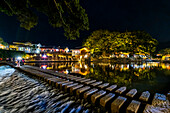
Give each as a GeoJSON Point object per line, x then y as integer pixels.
{"type": "Point", "coordinates": [108, 97]}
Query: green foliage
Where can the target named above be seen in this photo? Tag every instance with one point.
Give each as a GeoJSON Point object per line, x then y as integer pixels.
{"type": "Point", "coordinates": [165, 51]}
{"type": "Point", "coordinates": [2, 42]}
{"type": "Point", "coordinates": [114, 42]}
{"type": "Point", "coordinates": [68, 14]}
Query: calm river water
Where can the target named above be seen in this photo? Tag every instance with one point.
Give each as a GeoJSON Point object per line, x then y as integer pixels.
{"type": "Point", "coordinates": [151, 76]}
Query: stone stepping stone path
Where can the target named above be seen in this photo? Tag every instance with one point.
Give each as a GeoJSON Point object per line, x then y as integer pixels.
{"type": "Point", "coordinates": [81, 90]}
{"type": "Point", "coordinates": [96, 91]}
{"type": "Point", "coordinates": [117, 103]}
{"type": "Point", "coordinates": [121, 90]}
{"type": "Point", "coordinates": [106, 98]}
{"type": "Point", "coordinates": [90, 92]}
{"type": "Point", "coordinates": [103, 85]}
{"type": "Point", "coordinates": [97, 95]}
{"type": "Point", "coordinates": [131, 93]}
{"type": "Point", "coordinates": [133, 107]}
{"type": "Point", "coordinates": [111, 88]}
{"type": "Point", "coordinates": [145, 96]}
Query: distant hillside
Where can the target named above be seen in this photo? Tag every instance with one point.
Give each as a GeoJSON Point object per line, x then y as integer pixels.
{"type": "Point", "coordinates": [163, 45]}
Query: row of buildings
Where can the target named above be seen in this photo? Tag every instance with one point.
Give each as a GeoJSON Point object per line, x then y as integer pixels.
{"type": "Point", "coordinates": [81, 52]}
{"type": "Point", "coordinates": [30, 48]}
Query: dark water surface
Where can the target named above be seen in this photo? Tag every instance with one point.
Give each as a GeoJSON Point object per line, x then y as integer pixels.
{"type": "Point", "coordinates": [152, 76]}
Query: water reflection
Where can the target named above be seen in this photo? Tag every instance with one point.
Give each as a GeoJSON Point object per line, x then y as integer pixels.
{"type": "Point", "coordinates": [153, 76]}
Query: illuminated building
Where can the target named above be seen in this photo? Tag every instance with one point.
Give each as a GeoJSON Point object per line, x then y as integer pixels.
{"type": "Point", "coordinates": [27, 47]}
{"type": "Point", "coordinates": [2, 46]}
{"type": "Point", "coordinates": [166, 57]}
{"type": "Point", "coordinates": [54, 49]}
{"type": "Point", "coordinates": [82, 53]}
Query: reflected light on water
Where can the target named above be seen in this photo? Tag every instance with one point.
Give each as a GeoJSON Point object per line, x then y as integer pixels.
{"type": "Point", "coordinates": [148, 75]}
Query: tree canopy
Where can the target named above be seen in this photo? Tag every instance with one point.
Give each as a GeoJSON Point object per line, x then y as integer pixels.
{"type": "Point", "coordinates": [108, 42]}
{"type": "Point", "coordinates": [165, 51]}
{"type": "Point", "coordinates": [68, 14]}
{"type": "Point", "coordinates": [2, 42]}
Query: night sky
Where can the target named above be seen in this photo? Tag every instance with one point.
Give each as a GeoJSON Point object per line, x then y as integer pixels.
{"type": "Point", "coordinates": [153, 16]}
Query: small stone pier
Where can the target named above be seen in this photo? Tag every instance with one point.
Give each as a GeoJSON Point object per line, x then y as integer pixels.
{"type": "Point", "coordinates": [108, 97]}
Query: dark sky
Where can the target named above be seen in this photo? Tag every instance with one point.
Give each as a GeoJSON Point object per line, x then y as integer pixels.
{"type": "Point", "coordinates": [153, 16]}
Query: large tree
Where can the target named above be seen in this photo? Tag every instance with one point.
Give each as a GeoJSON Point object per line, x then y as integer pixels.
{"type": "Point", "coordinates": [139, 42]}
{"type": "Point", "coordinates": [68, 14]}
{"type": "Point", "coordinates": [2, 42]}
{"type": "Point", "coordinates": [100, 41]}
{"type": "Point", "coordinates": [165, 51]}
{"type": "Point", "coordinates": [108, 42]}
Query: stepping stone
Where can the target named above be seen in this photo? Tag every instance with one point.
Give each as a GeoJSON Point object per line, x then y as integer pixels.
{"type": "Point", "coordinates": [86, 94]}
{"type": "Point", "coordinates": [97, 95]}
{"type": "Point", "coordinates": [133, 107]}
{"type": "Point", "coordinates": [103, 85]}
{"type": "Point", "coordinates": [73, 78]}
{"type": "Point", "coordinates": [131, 93]}
{"type": "Point", "coordinates": [159, 99]}
{"type": "Point", "coordinates": [63, 84]}
{"type": "Point", "coordinates": [74, 88]}
{"type": "Point", "coordinates": [89, 82]}
{"type": "Point", "coordinates": [168, 96]}
{"type": "Point", "coordinates": [121, 90]}
{"type": "Point", "coordinates": [68, 86]}
{"type": "Point", "coordinates": [105, 99]}
{"type": "Point", "coordinates": [81, 90]}
{"type": "Point", "coordinates": [54, 80]}
{"type": "Point", "coordinates": [117, 103]}
{"type": "Point", "coordinates": [85, 80]}
{"type": "Point", "coordinates": [58, 83]}
{"type": "Point", "coordinates": [96, 83]}
{"type": "Point", "coordinates": [79, 79]}
{"type": "Point", "coordinates": [145, 96]}
{"type": "Point", "coordinates": [111, 88]}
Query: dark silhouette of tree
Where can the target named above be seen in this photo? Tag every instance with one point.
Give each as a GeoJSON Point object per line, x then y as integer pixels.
{"type": "Point", "coordinates": [68, 14]}
{"type": "Point", "coordinates": [2, 42]}
{"type": "Point", "coordinates": [165, 51]}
